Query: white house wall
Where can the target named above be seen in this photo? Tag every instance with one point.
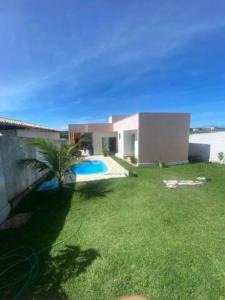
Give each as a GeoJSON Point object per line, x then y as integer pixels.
{"type": "Point", "coordinates": [136, 145]}
{"type": "Point", "coordinates": [130, 145]}
{"type": "Point", "coordinates": [207, 146]}
{"type": "Point", "coordinates": [120, 144]}
{"type": "Point", "coordinates": [130, 123]}
{"type": "Point", "coordinates": [97, 140]}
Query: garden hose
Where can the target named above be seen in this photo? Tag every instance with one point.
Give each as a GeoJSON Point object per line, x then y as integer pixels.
{"type": "Point", "coordinates": [13, 259]}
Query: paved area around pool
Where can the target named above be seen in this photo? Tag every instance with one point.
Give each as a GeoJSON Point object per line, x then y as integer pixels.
{"type": "Point", "coordinates": [115, 170]}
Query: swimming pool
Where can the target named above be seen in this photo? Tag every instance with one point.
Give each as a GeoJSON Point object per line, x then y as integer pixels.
{"type": "Point", "coordinates": [89, 167]}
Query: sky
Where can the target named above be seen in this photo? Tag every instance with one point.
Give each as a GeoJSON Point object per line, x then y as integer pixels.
{"type": "Point", "coordinates": [68, 61]}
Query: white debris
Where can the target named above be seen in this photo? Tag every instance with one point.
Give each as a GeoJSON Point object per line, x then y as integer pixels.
{"type": "Point", "coordinates": [171, 184]}
{"type": "Point", "coordinates": [201, 178]}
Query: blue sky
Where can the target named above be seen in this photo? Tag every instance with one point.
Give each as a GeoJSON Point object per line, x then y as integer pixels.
{"type": "Point", "coordinates": [79, 61]}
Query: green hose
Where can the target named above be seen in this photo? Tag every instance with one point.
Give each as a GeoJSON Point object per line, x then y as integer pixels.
{"type": "Point", "coordinates": [13, 259]}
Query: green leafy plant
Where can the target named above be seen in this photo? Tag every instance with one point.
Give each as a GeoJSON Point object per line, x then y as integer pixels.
{"type": "Point", "coordinates": [221, 156]}
{"type": "Point", "coordinates": [132, 173]}
{"type": "Point", "coordinates": [161, 164]}
{"type": "Point", "coordinates": [133, 160]}
{"type": "Point", "coordinates": [85, 140]}
{"type": "Point", "coordinates": [58, 161]}
{"type": "Point", "coordinates": [76, 151]}
{"type": "Point", "coordinates": [105, 152]}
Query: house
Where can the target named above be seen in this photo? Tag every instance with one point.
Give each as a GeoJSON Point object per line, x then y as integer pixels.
{"type": "Point", "coordinates": [192, 130]}
{"type": "Point", "coordinates": [147, 136]}
{"type": "Point", "coordinates": [11, 127]}
{"type": "Point", "coordinates": [206, 129]}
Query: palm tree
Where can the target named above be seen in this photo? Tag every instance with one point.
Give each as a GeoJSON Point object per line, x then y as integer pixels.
{"type": "Point", "coordinates": [57, 160]}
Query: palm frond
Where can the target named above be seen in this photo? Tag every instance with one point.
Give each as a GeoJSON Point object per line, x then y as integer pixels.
{"type": "Point", "coordinates": [47, 150]}
{"type": "Point", "coordinates": [58, 160]}
{"type": "Point", "coordinates": [35, 164]}
{"type": "Point", "coordinates": [72, 148]}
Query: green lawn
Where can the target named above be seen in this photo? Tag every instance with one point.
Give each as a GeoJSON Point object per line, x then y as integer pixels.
{"type": "Point", "coordinates": [110, 238]}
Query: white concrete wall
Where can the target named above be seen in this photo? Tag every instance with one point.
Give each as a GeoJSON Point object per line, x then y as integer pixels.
{"type": "Point", "coordinates": [207, 146]}
{"type": "Point", "coordinates": [130, 123]}
{"type": "Point", "coordinates": [35, 133]}
{"type": "Point", "coordinates": [116, 118]}
{"type": "Point", "coordinates": [130, 144]}
{"type": "Point", "coordinates": [120, 144]}
{"type": "Point", "coordinates": [14, 179]}
{"type": "Point", "coordinates": [97, 140]}
{"type": "Point", "coordinates": [136, 146]}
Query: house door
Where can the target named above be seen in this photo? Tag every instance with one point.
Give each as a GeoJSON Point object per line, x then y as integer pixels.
{"type": "Point", "coordinates": [112, 145]}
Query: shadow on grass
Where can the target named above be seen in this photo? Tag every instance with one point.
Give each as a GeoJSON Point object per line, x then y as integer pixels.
{"type": "Point", "coordinates": [94, 189]}
{"type": "Point", "coordinates": [40, 275]}
{"type": "Point", "coordinates": [69, 262]}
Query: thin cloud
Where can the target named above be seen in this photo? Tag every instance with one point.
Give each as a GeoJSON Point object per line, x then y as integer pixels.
{"type": "Point", "coordinates": [79, 60]}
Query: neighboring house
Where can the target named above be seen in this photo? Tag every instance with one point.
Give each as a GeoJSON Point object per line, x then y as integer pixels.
{"type": "Point", "coordinates": [147, 136]}
{"type": "Point", "coordinates": [24, 129]}
{"type": "Point", "coordinates": [14, 179]}
{"type": "Point", "coordinates": [207, 146]}
{"type": "Point", "coordinates": [206, 129]}
{"type": "Point", "coordinates": [192, 130]}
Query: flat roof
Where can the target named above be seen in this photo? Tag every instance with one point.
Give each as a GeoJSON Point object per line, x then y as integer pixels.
{"type": "Point", "coordinates": [108, 127]}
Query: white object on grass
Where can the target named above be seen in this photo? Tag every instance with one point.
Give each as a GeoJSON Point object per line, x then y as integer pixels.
{"type": "Point", "coordinates": [171, 184]}
{"type": "Point", "coordinates": [201, 178]}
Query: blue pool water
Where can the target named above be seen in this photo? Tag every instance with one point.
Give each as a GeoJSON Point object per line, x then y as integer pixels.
{"type": "Point", "coordinates": [90, 167]}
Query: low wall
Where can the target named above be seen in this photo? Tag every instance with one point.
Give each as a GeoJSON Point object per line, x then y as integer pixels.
{"type": "Point", "coordinates": [14, 179]}
{"type": "Point", "coordinates": [207, 146]}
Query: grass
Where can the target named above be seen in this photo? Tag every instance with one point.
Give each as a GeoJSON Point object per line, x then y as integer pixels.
{"type": "Point", "coordinates": [127, 236]}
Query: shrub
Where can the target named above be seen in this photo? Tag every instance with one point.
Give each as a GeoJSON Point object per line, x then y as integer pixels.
{"type": "Point", "coordinates": [105, 152]}
{"type": "Point", "coordinates": [161, 164]}
{"type": "Point", "coordinates": [133, 160]}
{"type": "Point", "coordinates": [221, 156]}
{"type": "Point", "coordinates": [132, 173]}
